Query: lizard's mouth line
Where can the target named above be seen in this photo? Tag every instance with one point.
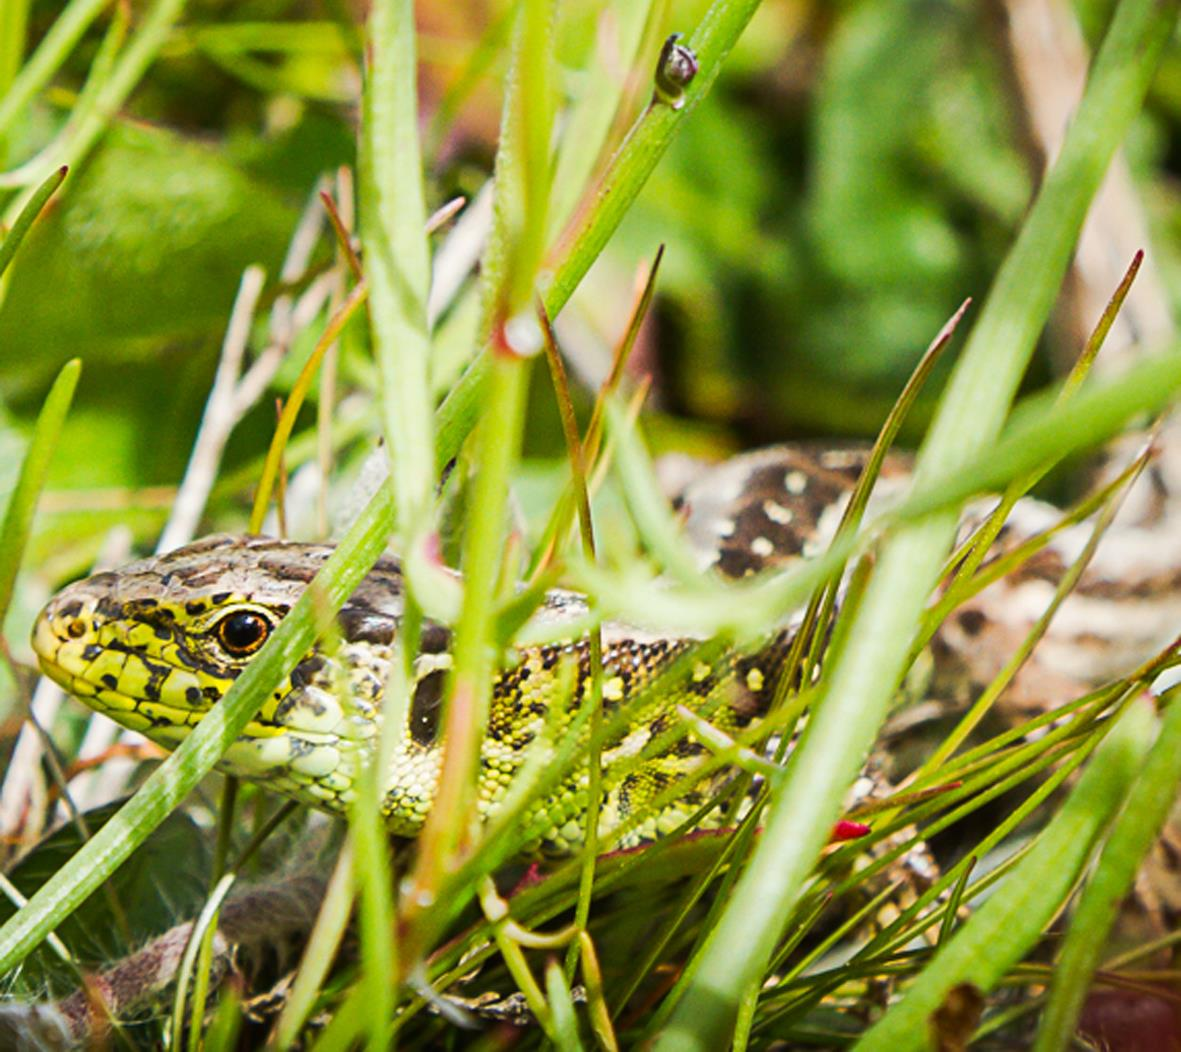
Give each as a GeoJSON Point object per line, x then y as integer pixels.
{"type": "Point", "coordinates": [136, 713]}
{"type": "Point", "coordinates": [160, 719]}
{"type": "Point", "coordinates": [164, 723]}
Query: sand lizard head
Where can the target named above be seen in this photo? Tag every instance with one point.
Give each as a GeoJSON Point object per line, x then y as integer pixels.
{"type": "Point", "coordinates": [156, 644]}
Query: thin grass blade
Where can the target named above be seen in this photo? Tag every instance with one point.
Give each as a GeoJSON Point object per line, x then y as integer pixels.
{"type": "Point", "coordinates": [22, 505]}
{"type": "Point", "coordinates": [28, 215]}
{"type": "Point", "coordinates": [1135, 829]}
{"type": "Point", "coordinates": [1008, 924]}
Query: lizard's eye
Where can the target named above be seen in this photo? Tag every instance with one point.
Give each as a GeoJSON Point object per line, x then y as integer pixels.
{"type": "Point", "coordinates": [243, 632]}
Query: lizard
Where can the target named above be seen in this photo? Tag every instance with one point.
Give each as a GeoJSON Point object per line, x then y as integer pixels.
{"type": "Point", "coordinates": [156, 644]}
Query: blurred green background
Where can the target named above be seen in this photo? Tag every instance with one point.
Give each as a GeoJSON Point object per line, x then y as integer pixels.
{"type": "Point", "coordinates": [858, 170]}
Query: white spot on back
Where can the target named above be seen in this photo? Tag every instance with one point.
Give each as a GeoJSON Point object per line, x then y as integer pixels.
{"type": "Point", "coordinates": [762, 547]}
{"type": "Point", "coordinates": [778, 513]}
{"type": "Point", "coordinates": [795, 482]}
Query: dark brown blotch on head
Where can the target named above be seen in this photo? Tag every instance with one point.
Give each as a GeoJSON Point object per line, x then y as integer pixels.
{"type": "Point", "coordinates": [305, 671]}
{"type": "Point", "coordinates": [196, 575]}
{"type": "Point", "coordinates": [72, 609]}
{"type": "Point", "coordinates": [289, 569]}
{"type": "Point", "coordinates": [105, 581]}
{"type": "Point", "coordinates": [363, 624]}
{"type": "Point", "coordinates": [108, 608]}
{"type": "Point", "coordinates": [425, 707]}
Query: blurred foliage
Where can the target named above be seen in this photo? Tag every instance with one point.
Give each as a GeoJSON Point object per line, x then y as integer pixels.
{"type": "Point", "coordinates": [109, 272]}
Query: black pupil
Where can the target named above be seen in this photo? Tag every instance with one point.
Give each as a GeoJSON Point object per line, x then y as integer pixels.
{"type": "Point", "coordinates": [243, 632]}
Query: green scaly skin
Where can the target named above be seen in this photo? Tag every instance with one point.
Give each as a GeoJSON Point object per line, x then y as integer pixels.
{"type": "Point", "coordinates": [157, 643]}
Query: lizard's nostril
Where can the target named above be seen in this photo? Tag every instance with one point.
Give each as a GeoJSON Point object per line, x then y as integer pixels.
{"type": "Point", "coordinates": [75, 628]}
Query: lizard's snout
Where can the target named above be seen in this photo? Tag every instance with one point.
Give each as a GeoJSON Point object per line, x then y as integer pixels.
{"type": "Point", "coordinates": [66, 617]}
{"type": "Point", "coordinates": [61, 633]}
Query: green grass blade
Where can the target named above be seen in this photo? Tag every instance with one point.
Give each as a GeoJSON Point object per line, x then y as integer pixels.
{"type": "Point", "coordinates": [172, 781]}
{"type": "Point", "coordinates": [508, 276]}
{"type": "Point", "coordinates": [1044, 429]}
{"type": "Point", "coordinates": [203, 927]}
{"type": "Point", "coordinates": [53, 50]}
{"type": "Point", "coordinates": [397, 257]}
{"type": "Point", "coordinates": [855, 695]}
{"type": "Point", "coordinates": [1009, 923]}
{"type": "Point", "coordinates": [645, 145]}
{"type": "Point", "coordinates": [397, 265]}
{"type": "Point", "coordinates": [28, 215]}
{"type": "Point", "coordinates": [601, 90]}
{"type": "Point", "coordinates": [319, 952]}
{"type": "Point", "coordinates": [18, 518]}
{"type": "Point", "coordinates": [374, 884]}
{"type": "Point", "coordinates": [650, 511]}
{"type": "Point", "coordinates": [1132, 835]}
{"type": "Point", "coordinates": [563, 1018]}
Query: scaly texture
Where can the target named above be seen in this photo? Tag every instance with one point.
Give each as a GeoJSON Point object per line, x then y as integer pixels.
{"type": "Point", "coordinates": [156, 644]}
